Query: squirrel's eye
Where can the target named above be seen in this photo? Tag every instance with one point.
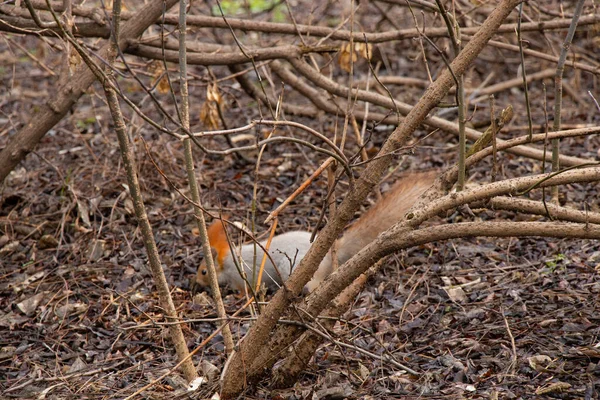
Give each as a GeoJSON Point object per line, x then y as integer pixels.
{"type": "Point", "coordinates": [204, 272]}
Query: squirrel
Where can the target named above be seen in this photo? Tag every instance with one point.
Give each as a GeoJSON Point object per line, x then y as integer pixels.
{"type": "Point", "coordinates": [287, 249]}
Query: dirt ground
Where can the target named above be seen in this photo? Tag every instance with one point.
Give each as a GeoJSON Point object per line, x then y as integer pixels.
{"type": "Point", "coordinates": [478, 318]}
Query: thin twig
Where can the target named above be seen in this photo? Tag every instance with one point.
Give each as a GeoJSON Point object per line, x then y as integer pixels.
{"type": "Point", "coordinates": [300, 189]}
{"type": "Point", "coordinates": [494, 133]}
{"type": "Point", "coordinates": [194, 189]}
{"type": "Point", "coordinates": [513, 363]}
{"type": "Point", "coordinates": [382, 357]}
{"type": "Point", "coordinates": [128, 156]}
{"type": "Point", "coordinates": [524, 71]}
{"type": "Point", "coordinates": [560, 67]}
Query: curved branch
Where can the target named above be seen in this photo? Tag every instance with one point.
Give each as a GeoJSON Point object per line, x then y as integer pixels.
{"type": "Point", "coordinates": [444, 183]}
{"type": "Point", "coordinates": [306, 129]}
{"type": "Point", "coordinates": [388, 243]}
{"type": "Point", "coordinates": [283, 139]}
{"type": "Point", "coordinates": [434, 207]}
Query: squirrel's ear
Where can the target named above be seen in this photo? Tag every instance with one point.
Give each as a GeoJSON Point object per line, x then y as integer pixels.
{"type": "Point", "coordinates": [218, 242]}
{"type": "Point", "coordinates": [215, 256]}
{"type": "Point", "coordinates": [215, 230]}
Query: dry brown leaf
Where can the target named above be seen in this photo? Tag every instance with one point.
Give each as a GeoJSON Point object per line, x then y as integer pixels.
{"type": "Point", "coordinates": [163, 85]}
{"type": "Point", "coordinates": [213, 94]}
{"type": "Point", "coordinates": [456, 294]}
{"type": "Point", "coordinates": [539, 362]}
{"type": "Point", "coordinates": [209, 113]}
{"type": "Point", "coordinates": [159, 77]}
{"type": "Point", "coordinates": [71, 309]}
{"type": "Point", "coordinates": [346, 57]}
{"type": "Point", "coordinates": [29, 305]}
{"type": "Point", "coordinates": [365, 50]}
{"type": "Point", "coordinates": [74, 60]}
{"type": "Point", "coordinates": [47, 242]}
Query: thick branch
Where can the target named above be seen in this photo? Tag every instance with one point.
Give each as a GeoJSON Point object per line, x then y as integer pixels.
{"type": "Point", "coordinates": [230, 58]}
{"type": "Point", "coordinates": [394, 241]}
{"type": "Point", "coordinates": [389, 243]}
{"type": "Point", "coordinates": [550, 210]}
{"type": "Point", "coordinates": [128, 155]}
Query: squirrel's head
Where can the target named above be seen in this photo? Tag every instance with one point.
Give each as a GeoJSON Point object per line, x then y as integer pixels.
{"type": "Point", "coordinates": [219, 247]}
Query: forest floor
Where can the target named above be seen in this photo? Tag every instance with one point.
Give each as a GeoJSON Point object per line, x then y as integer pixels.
{"type": "Point", "coordinates": [79, 316]}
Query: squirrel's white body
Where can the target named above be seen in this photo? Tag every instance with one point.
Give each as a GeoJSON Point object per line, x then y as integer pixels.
{"type": "Point", "coordinates": [287, 250]}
